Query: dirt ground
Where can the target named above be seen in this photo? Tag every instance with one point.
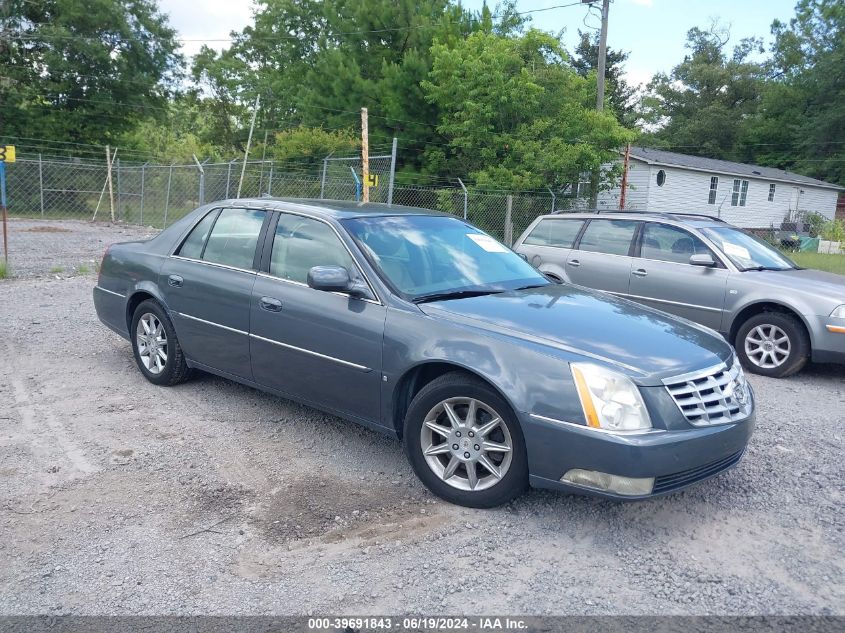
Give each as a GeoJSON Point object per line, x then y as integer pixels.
{"type": "Point", "coordinates": [120, 497]}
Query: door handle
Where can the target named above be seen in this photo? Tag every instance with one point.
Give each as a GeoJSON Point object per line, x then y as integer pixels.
{"type": "Point", "coordinates": [573, 262]}
{"type": "Point", "coordinates": [640, 272]}
{"type": "Point", "coordinates": [270, 304]}
{"type": "Point", "coordinates": [175, 281]}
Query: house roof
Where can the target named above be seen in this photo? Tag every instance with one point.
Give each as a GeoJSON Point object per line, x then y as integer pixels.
{"type": "Point", "coordinates": [712, 165]}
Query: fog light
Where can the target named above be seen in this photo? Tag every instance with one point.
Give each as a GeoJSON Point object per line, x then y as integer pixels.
{"type": "Point", "coordinates": [610, 483]}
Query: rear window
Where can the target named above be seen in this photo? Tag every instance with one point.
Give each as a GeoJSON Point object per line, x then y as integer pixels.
{"type": "Point", "coordinates": [553, 232]}
{"type": "Point", "coordinates": [608, 236]}
{"type": "Point", "coordinates": [192, 247]}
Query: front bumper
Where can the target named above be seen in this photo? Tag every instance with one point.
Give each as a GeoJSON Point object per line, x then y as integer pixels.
{"type": "Point", "coordinates": [675, 458]}
{"type": "Point", "coordinates": [828, 342]}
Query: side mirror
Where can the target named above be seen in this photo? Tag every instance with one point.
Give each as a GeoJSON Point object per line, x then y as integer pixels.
{"type": "Point", "coordinates": [523, 256]}
{"type": "Point", "coordinates": [336, 279]}
{"type": "Point", "coordinates": [702, 259]}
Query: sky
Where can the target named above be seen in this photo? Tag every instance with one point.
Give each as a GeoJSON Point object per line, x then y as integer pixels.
{"type": "Point", "coordinates": [653, 32]}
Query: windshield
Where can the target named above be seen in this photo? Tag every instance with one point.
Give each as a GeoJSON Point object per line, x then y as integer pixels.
{"type": "Point", "coordinates": [748, 252]}
{"type": "Point", "coordinates": [425, 255]}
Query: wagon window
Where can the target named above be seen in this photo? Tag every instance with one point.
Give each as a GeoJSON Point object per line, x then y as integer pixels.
{"type": "Point", "coordinates": [560, 233]}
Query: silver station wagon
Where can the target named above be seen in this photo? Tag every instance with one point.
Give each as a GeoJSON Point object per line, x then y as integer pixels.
{"type": "Point", "coordinates": [419, 325]}
{"type": "Point", "coordinates": [775, 313]}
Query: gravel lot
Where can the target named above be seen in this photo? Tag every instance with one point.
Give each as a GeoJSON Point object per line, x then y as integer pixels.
{"type": "Point", "coordinates": [119, 497]}
{"type": "Point", "coordinates": [38, 248]}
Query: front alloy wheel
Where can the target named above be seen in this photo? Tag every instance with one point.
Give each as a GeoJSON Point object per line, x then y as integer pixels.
{"type": "Point", "coordinates": [465, 443]}
{"type": "Point", "coordinates": [773, 344]}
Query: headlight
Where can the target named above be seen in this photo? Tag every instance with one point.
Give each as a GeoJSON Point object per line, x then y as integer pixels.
{"type": "Point", "coordinates": [839, 313]}
{"type": "Point", "coordinates": [610, 400]}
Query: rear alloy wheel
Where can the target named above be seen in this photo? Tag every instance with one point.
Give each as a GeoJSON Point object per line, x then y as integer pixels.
{"type": "Point", "coordinates": [464, 443]}
{"type": "Point", "coordinates": [157, 351]}
{"type": "Point", "coordinates": [773, 344]}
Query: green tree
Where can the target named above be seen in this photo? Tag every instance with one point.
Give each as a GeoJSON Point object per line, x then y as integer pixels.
{"type": "Point", "coordinates": [701, 105]}
{"type": "Point", "coordinates": [800, 124]}
{"type": "Point", "coordinates": [515, 113]}
{"type": "Point", "coordinates": [619, 94]}
{"type": "Point", "coordinates": [84, 71]}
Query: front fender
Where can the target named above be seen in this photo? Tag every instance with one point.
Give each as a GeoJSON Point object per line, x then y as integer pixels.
{"type": "Point", "coordinates": [532, 378]}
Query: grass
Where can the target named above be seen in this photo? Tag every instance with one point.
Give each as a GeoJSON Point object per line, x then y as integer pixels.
{"type": "Point", "coordinates": [56, 270]}
{"type": "Point", "coordinates": [83, 269]}
{"type": "Point", "coordinates": [4, 270]}
{"type": "Point", "coordinates": [819, 261]}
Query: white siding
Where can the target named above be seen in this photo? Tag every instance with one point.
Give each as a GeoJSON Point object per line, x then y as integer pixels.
{"type": "Point", "coordinates": [639, 178]}
{"type": "Point", "coordinates": [688, 190]}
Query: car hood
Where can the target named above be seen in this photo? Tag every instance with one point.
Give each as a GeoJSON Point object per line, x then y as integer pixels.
{"type": "Point", "coordinates": [803, 280]}
{"type": "Point", "coordinates": [646, 342]}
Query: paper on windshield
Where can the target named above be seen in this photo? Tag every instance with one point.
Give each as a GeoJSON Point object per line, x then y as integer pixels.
{"type": "Point", "coordinates": [487, 243]}
{"type": "Point", "coordinates": [735, 251]}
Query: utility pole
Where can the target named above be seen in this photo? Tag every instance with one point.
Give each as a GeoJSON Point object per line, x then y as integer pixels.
{"type": "Point", "coordinates": [365, 156]}
{"type": "Point", "coordinates": [625, 165]}
{"type": "Point", "coordinates": [248, 143]}
{"type": "Point", "coordinates": [600, 71]}
{"type": "Point", "coordinates": [602, 62]}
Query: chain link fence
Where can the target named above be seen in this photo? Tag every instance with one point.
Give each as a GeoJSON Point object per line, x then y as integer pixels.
{"type": "Point", "coordinates": [156, 195]}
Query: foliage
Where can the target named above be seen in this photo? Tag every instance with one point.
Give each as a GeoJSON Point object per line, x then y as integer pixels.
{"type": "Point", "coordinates": [816, 222]}
{"type": "Point", "coordinates": [313, 144]}
{"type": "Point", "coordinates": [834, 231]}
{"type": "Point", "coordinates": [515, 113]}
{"type": "Point", "coordinates": [84, 72]}
{"type": "Point", "coordinates": [701, 104]}
{"type": "Point", "coordinates": [5, 273]}
{"type": "Point", "coordinates": [620, 97]}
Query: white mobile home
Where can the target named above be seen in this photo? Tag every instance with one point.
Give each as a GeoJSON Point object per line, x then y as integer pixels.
{"type": "Point", "coordinates": [748, 196]}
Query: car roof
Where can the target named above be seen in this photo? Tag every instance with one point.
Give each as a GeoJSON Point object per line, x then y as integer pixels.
{"type": "Point", "coordinates": [691, 219]}
{"type": "Point", "coordinates": [337, 209]}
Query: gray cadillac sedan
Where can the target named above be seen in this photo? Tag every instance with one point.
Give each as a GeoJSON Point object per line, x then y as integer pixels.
{"type": "Point", "coordinates": [421, 326]}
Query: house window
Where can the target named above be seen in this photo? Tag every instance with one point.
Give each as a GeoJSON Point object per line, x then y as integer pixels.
{"type": "Point", "coordinates": [739, 193]}
{"type": "Point", "coordinates": [772, 192]}
{"type": "Point", "coordinates": [714, 187]}
{"type": "Point", "coordinates": [661, 178]}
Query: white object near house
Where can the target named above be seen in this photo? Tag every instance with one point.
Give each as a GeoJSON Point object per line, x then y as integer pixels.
{"type": "Point", "coordinates": [747, 196]}
{"type": "Point", "coordinates": [830, 248]}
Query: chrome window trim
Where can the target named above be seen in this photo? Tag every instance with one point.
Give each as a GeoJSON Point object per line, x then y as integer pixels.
{"type": "Point", "coordinates": [111, 292]}
{"type": "Point", "coordinates": [584, 427]}
{"type": "Point", "coordinates": [345, 245]}
{"type": "Point", "coordinates": [302, 285]}
{"type": "Point", "coordinates": [346, 363]}
{"type": "Point", "coordinates": [215, 264]}
{"type": "Point", "coordinates": [212, 323]}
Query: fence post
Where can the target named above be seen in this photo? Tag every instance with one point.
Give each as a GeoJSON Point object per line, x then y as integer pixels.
{"type": "Point", "coordinates": [41, 184]}
{"type": "Point", "coordinates": [508, 222]}
{"type": "Point", "coordinates": [119, 209]}
{"type": "Point", "coordinates": [357, 184]}
{"type": "Point", "coordinates": [228, 177]}
{"type": "Point", "coordinates": [323, 179]}
{"type": "Point", "coordinates": [167, 195]}
{"type": "Point", "coordinates": [202, 180]}
{"type": "Point", "coordinates": [393, 172]}
{"type": "Point", "coordinates": [142, 193]}
{"type": "Point", "coordinates": [465, 197]}
{"type": "Point", "coordinates": [270, 180]}
{"type": "Point", "coordinates": [553, 198]}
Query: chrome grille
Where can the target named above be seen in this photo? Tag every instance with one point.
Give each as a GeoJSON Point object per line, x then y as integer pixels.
{"type": "Point", "coordinates": [718, 395]}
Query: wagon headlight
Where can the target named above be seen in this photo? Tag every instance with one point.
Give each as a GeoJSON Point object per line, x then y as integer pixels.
{"type": "Point", "coordinates": [838, 313]}
{"type": "Point", "coordinates": [610, 400]}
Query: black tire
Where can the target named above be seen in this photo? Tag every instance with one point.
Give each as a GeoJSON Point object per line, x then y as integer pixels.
{"type": "Point", "coordinates": [462, 385]}
{"type": "Point", "coordinates": [799, 343]}
{"type": "Point", "coordinates": [175, 369]}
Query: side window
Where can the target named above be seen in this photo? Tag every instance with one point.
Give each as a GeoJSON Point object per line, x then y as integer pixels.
{"type": "Point", "coordinates": [670, 244]}
{"type": "Point", "coordinates": [301, 243]}
{"type": "Point", "coordinates": [560, 233]}
{"type": "Point", "coordinates": [608, 236]}
{"type": "Point", "coordinates": [193, 245]}
{"type": "Point", "coordinates": [234, 237]}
